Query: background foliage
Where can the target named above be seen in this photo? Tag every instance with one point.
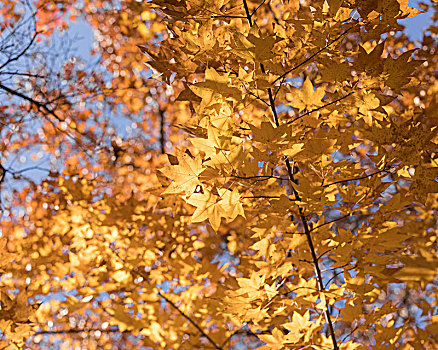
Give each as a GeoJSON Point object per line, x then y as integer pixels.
{"type": "Point", "coordinates": [218, 174]}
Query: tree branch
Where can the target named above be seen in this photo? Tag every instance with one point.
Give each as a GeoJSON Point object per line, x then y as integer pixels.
{"type": "Point", "coordinates": [2, 174]}
{"type": "Point", "coordinates": [188, 318]}
{"type": "Point", "coordinates": [255, 10]}
{"type": "Point", "coordinates": [162, 135]}
{"type": "Point", "coordinates": [74, 330]}
{"type": "Point", "coordinates": [318, 277]}
{"type": "Point", "coordinates": [21, 53]}
{"type": "Point", "coordinates": [39, 105]}
{"type": "Point", "coordinates": [23, 74]}
{"type": "Point", "coordinates": [262, 68]}
{"type": "Point", "coordinates": [258, 177]}
{"type": "Point", "coordinates": [330, 222]}
{"type": "Point", "coordinates": [297, 197]}
{"type": "Point", "coordinates": [256, 197]}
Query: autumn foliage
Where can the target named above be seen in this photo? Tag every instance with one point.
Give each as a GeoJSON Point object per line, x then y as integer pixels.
{"type": "Point", "coordinates": [218, 174]}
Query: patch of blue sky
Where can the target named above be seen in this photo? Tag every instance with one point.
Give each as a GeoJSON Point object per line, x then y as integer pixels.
{"type": "Point", "coordinates": [416, 26]}
{"type": "Point", "coordinates": [31, 161]}
{"type": "Point", "coordinates": [58, 296]}
{"type": "Point", "coordinates": [80, 40]}
{"type": "Point", "coordinates": [226, 257]}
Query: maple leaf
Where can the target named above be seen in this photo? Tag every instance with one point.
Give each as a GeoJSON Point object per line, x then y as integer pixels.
{"type": "Point", "coordinates": [300, 324]}
{"type": "Point", "coordinates": [185, 175]}
{"type": "Point", "coordinates": [230, 203]}
{"type": "Point", "coordinates": [207, 207]}
{"type": "Point", "coordinates": [216, 146]}
{"type": "Point", "coordinates": [214, 89]}
{"type": "Point", "coordinates": [307, 97]}
{"type": "Point", "coordinates": [334, 71]}
{"type": "Point", "coordinates": [398, 71]}
{"type": "Point", "coordinates": [275, 341]}
{"type": "Point", "coordinates": [214, 207]}
{"type": "Point", "coordinates": [370, 62]}
{"type": "Point", "coordinates": [269, 134]}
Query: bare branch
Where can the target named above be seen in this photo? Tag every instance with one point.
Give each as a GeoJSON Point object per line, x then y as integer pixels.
{"type": "Point", "coordinates": [39, 105]}
{"type": "Point", "coordinates": [15, 58]}
{"type": "Point", "coordinates": [23, 74]}
{"type": "Point", "coordinates": [74, 330]}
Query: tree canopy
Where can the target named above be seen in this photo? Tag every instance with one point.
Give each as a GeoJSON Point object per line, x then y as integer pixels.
{"type": "Point", "coordinates": [218, 175]}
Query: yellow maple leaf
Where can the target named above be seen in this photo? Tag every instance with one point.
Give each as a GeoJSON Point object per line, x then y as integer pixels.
{"type": "Point", "coordinates": [185, 174]}
{"type": "Point", "coordinates": [207, 207]}
{"type": "Point", "coordinates": [274, 341]}
{"type": "Point", "coordinates": [215, 89]}
{"type": "Point", "coordinates": [299, 322]}
{"type": "Point", "coordinates": [215, 142]}
{"type": "Point", "coordinates": [230, 203]}
{"type": "Point", "coordinates": [269, 134]}
{"type": "Point", "coordinates": [307, 97]}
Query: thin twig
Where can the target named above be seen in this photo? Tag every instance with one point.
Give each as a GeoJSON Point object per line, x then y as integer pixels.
{"type": "Point", "coordinates": [350, 333]}
{"type": "Point", "coordinates": [21, 53]}
{"type": "Point", "coordinates": [39, 105]}
{"type": "Point", "coordinates": [24, 74]}
{"type": "Point", "coordinates": [171, 303]}
{"type": "Point", "coordinates": [243, 85]}
{"type": "Point", "coordinates": [258, 177]}
{"type": "Point", "coordinates": [255, 10]}
{"type": "Point", "coordinates": [312, 56]}
{"type": "Point", "coordinates": [333, 277]}
{"type": "Point", "coordinates": [17, 172]}
{"type": "Point", "coordinates": [357, 178]}
{"type": "Point", "coordinates": [330, 222]}
{"type": "Point", "coordinates": [74, 330]}
{"type": "Point", "coordinates": [317, 109]}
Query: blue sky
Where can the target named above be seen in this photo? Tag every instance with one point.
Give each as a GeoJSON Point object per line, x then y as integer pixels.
{"type": "Point", "coordinates": [416, 25]}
